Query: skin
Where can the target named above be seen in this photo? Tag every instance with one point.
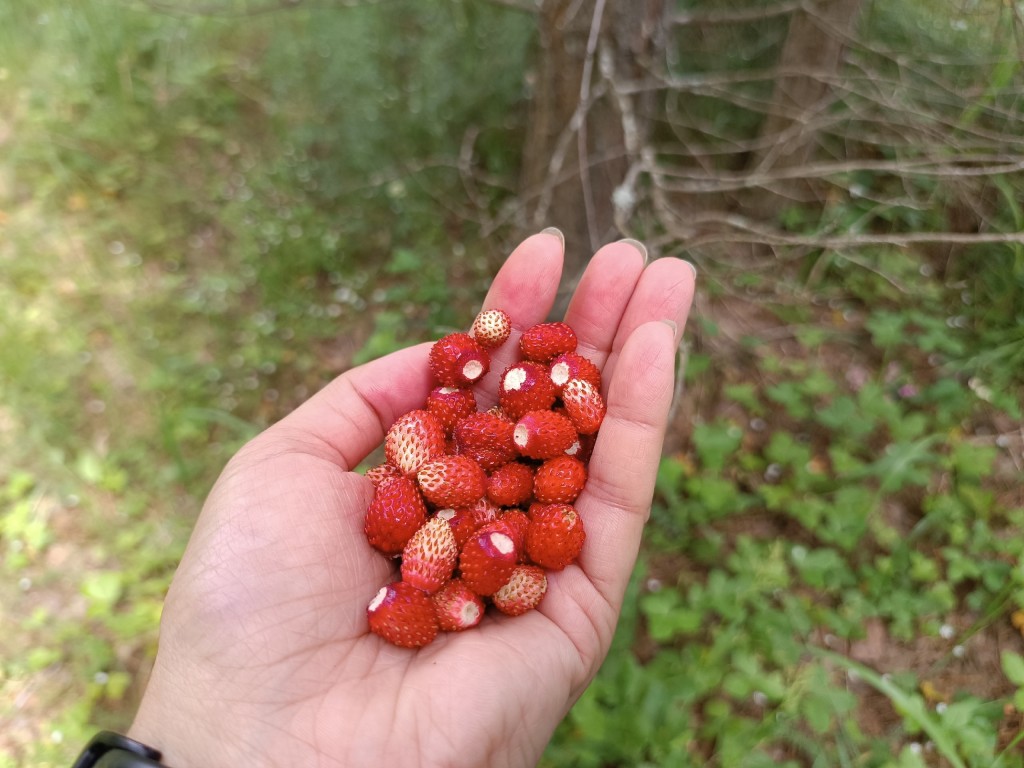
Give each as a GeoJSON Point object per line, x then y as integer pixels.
{"type": "Point", "coordinates": [265, 656]}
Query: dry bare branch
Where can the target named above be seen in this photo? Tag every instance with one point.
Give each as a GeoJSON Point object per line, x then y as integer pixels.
{"type": "Point", "coordinates": [705, 18]}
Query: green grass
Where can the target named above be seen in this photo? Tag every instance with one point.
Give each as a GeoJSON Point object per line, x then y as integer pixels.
{"type": "Point", "coordinates": [203, 219]}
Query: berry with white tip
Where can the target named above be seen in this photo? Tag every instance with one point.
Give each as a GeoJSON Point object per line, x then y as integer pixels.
{"type": "Point", "coordinates": [456, 360]}
{"type": "Point", "coordinates": [573, 366]}
{"type": "Point", "coordinates": [584, 405]}
{"type": "Point", "coordinates": [429, 557]}
{"type": "Point", "coordinates": [488, 559]}
{"type": "Point", "coordinates": [524, 387]}
{"type": "Point", "coordinates": [403, 615]}
{"type": "Point", "coordinates": [457, 606]}
{"type": "Point", "coordinates": [543, 434]}
{"type": "Point", "coordinates": [491, 328]}
{"type": "Point", "coordinates": [523, 591]}
{"type": "Point", "coordinates": [413, 440]}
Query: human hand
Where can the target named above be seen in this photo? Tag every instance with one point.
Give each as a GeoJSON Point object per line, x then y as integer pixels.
{"type": "Point", "coordinates": [265, 655]}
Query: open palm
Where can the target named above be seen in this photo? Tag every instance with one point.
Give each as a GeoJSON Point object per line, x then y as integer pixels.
{"type": "Point", "coordinates": [265, 655]}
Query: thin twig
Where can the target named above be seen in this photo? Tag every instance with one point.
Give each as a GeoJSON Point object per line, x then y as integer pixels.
{"type": "Point", "coordinates": [732, 16]}
{"type": "Point", "coordinates": [581, 134]}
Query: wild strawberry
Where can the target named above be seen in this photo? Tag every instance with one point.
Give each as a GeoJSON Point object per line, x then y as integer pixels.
{"type": "Point", "coordinates": [457, 606]}
{"type": "Point", "coordinates": [452, 481]}
{"type": "Point", "coordinates": [516, 522]}
{"type": "Point", "coordinates": [573, 366]}
{"type": "Point", "coordinates": [413, 440]}
{"type": "Point", "coordinates": [491, 328]}
{"type": "Point", "coordinates": [547, 340]}
{"type": "Point", "coordinates": [543, 434]}
{"type": "Point", "coordinates": [559, 480]}
{"type": "Point", "coordinates": [525, 387]}
{"type": "Point", "coordinates": [485, 511]}
{"type": "Point", "coordinates": [584, 405]}
{"type": "Point", "coordinates": [523, 591]}
{"type": "Point", "coordinates": [403, 615]}
{"type": "Point", "coordinates": [555, 535]}
{"type": "Point", "coordinates": [396, 512]}
{"type": "Point", "coordinates": [488, 559]}
{"type": "Point", "coordinates": [463, 522]}
{"type": "Point", "coordinates": [429, 556]}
{"type": "Point", "coordinates": [456, 360]}
{"type": "Point", "coordinates": [583, 448]}
{"type": "Point", "coordinates": [486, 438]}
{"type": "Point", "coordinates": [449, 404]}
{"type": "Point", "coordinates": [510, 484]}
{"type": "Point", "coordinates": [382, 472]}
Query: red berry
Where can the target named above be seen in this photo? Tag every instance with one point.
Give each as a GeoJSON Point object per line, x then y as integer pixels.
{"type": "Point", "coordinates": [382, 472]}
{"type": "Point", "coordinates": [396, 512]}
{"type": "Point", "coordinates": [457, 606]}
{"type": "Point", "coordinates": [463, 522]}
{"type": "Point", "coordinates": [573, 366]}
{"type": "Point", "coordinates": [559, 480]}
{"type": "Point", "coordinates": [582, 448]}
{"type": "Point", "coordinates": [543, 434]}
{"type": "Point", "coordinates": [555, 535]}
{"type": "Point", "coordinates": [452, 481]}
{"type": "Point", "coordinates": [516, 521]}
{"type": "Point", "coordinates": [511, 484]}
{"type": "Point", "coordinates": [429, 556]}
{"type": "Point", "coordinates": [450, 404]}
{"type": "Point", "coordinates": [403, 615]}
{"type": "Point", "coordinates": [523, 591]}
{"type": "Point", "coordinates": [456, 360]}
{"type": "Point", "coordinates": [491, 328]}
{"type": "Point", "coordinates": [486, 438]}
{"type": "Point", "coordinates": [488, 559]}
{"type": "Point", "coordinates": [485, 511]}
{"type": "Point", "coordinates": [413, 440]}
{"type": "Point", "coordinates": [584, 405]}
{"type": "Point", "coordinates": [547, 340]}
{"type": "Point", "coordinates": [525, 387]}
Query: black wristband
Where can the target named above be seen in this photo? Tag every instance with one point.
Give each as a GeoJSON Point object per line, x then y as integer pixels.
{"type": "Point", "coordinates": [111, 750]}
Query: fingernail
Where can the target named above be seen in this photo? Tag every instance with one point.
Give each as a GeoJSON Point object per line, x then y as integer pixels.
{"type": "Point", "coordinates": [556, 232]}
{"type": "Point", "coordinates": [638, 245]}
{"type": "Point", "coordinates": [671, 324]}
{"type": "Point", "coordinates": [692, 268]}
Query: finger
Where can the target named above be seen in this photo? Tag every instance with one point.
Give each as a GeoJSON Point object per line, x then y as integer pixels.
{"type": "Point", "coordinates": [525, 287]}
{"type": "Point", "coordinates": [351, 415]}
{"type": "Point", "coordinates": [617, 498]}
{"type": "Point", "coordinates": [602, 296]}
{"type": "Point", "coordinates": [663, 292]}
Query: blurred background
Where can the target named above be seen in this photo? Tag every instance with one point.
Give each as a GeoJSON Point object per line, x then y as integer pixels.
{"type": "Point", "coordinates": [209, 208]}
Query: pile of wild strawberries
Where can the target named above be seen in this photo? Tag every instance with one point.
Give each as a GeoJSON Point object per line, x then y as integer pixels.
{"type": "Point", "coordinates": [478, 504]}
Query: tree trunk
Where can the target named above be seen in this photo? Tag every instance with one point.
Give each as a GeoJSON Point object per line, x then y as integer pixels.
{"type": "Point", "coordinates": [809, 62]}
{"type": "Point", "coordinates": [575, 112]}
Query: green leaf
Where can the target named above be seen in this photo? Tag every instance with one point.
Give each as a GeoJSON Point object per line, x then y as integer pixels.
{"type": "Point", "coordinates": [667, 616]}
{"type": "Point", "coordinates": [103, 588]}
{"type": "Point", "coordinates": [1013, 667]}
{"type": "Point", "coordinates": [715, 442]}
